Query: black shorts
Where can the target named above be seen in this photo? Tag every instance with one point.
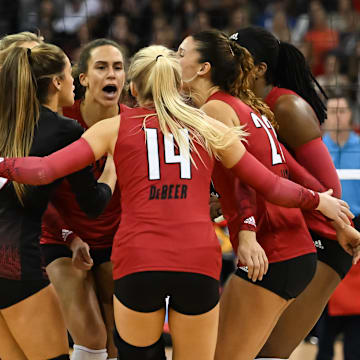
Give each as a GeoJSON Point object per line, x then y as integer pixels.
{"type": "Point", "coordinates": [190, 293]}
{"type": "Point", "coordinates": [332, 254]}
{"type": "Point", "coordinates": [14, 291]}
{"type": "Point", "coordinates": [288, 278]}
{"type": "Point", "coordinates": [51, 252]}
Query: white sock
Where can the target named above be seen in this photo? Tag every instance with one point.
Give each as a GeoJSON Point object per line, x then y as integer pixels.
{"type": "Point", "coordinates": [83, 353]}
{"type": "Point", "coordinates": [112, 358]}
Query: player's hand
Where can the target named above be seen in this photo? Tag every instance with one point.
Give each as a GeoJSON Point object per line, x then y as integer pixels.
{"type": "Point", "coordinates": [252, 255]}
{"type": "Point", "coordinates": [349, 239]}
{"type": "Point", "coordinates": [335, 209]}
{"type": "Point", "coordinates": [215, 207]}
{"type": "Point", "coordinates": [81, 258]}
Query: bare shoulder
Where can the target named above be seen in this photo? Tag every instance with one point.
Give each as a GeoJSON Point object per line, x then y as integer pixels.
{"type": "Point", "coordinates": [297, 121]}
{"type": "Point", "coordinates": [221, 111]}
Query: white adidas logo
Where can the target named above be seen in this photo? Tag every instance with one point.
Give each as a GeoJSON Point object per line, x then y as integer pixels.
{"type": "Point", "coordinates": [251, 221]}
{"type": "Point", "coordinates": [319, 244]}
{"type": "Point", "coordinates": [65, 233]}
{"type": "Point", "coordinates": [244, 268]}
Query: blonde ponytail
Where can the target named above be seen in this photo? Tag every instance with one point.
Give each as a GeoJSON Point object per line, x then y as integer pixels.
{"type": "Point", "coordinates": [156, 73]}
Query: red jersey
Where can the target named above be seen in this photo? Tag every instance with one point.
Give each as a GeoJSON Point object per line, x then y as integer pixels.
{"type": "Point", "coordinates": [165, 224]}
{"type": "Point", "coordinates": [282, 232]}
{"type": "Point", "coordinates": [99, 232]}
{"type": "Point", "coordinates": [314, 220]}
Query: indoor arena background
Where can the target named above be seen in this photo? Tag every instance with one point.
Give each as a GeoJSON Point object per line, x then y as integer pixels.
{"type": "Point", "coordinates": [327, 32]}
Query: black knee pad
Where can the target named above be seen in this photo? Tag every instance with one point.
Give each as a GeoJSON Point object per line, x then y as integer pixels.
{"type": "Point", "coordinates": [129, 352]}
{"type": "Point", "coordinates": [61, 357]}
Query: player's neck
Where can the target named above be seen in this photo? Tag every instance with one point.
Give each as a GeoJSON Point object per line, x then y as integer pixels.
{"type": "Point", "coordinates": [92, 112]}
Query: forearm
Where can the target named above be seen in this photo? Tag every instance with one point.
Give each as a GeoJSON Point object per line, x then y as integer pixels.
{"type": "Point", "coordinates": [273, 188]}
{"type": "Point", "coordinates": [315, 157]}
{"type": "Point", "coordinates": [44, 170]}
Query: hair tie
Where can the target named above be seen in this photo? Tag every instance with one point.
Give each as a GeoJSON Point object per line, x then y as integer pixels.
{"type": "Point", "coordinates": [28, 52]}
{"type": "Point", "coordinates": [158, 57]}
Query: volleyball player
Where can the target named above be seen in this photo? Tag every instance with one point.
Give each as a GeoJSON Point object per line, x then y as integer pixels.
{"type": "Point", "coordinates": [165, 244]}
{"type": "Point", "coordinates": [218, 72]}
{"type": "Point", "coordinates": [32, 325]}
{"type": "Point", "coordinates": [284, 81]}
{"type": "Point", "coordinates": [101, 75]}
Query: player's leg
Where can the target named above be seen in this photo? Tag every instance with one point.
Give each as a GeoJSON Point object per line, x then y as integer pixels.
{"type": "Point", "coordinates": [9, 348]}
{"type": "Point", "coordinates": [105, 290]}
{"type": "Point", "coordinates": [254, 308]}
{"type": "Point", "coordinates": [333, 265]}
{"type": "Point", "coordinates": [37, 325]}
{"type": "Point", "coordinates": [82, 313]}
{"type": "Point", "coordinates": [193, 316]}
{"type": "Point", "coordinates": [139, 310]}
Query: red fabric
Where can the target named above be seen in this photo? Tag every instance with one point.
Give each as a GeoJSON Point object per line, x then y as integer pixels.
{"type": "Point", "coordinates": [346, 298]}
{"type": "Point", "coordinates": [315, 158]}
{"type": "Point", "coordinates": [283, 192]}
{"type": "Point", "coordinates": [320, 164]}
{"type": "Point", "coordinates": [282, 232]}
{"type": "Point", "coordinates": [53, 227]}
{"type": "Point", "coordinates": [165, 223]}
{"type": "Point", "coordinates": [99, 232]}
{"type": "Point", "coordinates": [35, 170]}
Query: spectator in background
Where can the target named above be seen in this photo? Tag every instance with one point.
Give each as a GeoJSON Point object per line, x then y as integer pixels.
{"type": "Point", "coordinates": [343, 312]}
{"type": "Point", "coordinates": [320, 36]}
{"type": "Point", "coordinates": [332, 78]}
{"type": "Point", "coordinates": [239, 18]}
{"type": "Point", "coordinates": [343, 144]}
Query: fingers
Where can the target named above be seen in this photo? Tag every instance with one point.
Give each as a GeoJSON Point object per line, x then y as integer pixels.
{"type": "Point", "coordinates": [85, 253]}
{"type": "Point", "coordinates": [344, 203]}
{"type": "Point", "coordinates": [356, 255]}
{"type": "Point", "coordinates": [257, 265]}
{"type": "Point", "coordinates": [347, 212]}
{"type": "Point", "coordinates": [256, 268]}
{"type": "Point", "coordinates": [329, 192]}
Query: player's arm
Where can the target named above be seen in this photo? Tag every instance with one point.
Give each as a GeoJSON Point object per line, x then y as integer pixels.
{"type": "Point", "coordinates": [299, 129]}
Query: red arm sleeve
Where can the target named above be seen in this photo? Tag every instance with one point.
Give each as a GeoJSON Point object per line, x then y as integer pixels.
{"type": "Point", "coordinates": [245, 201]}
{"type": "Point", "coordinates": [275, 189]}
{"type": "Point", "coordinates": [53, 223]}
{"type": "Point", "coordinates": [315, 157]}
{"type": "Point", "coordinates": [299, 174]}
{"type": "Point", "coordinates": [34, 170]}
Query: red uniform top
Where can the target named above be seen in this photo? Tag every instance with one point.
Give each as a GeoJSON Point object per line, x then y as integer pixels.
{"type": "Point", "coordinates": [99, 232]}
{"type": "Point", "coordinates": [282, 232]}
{"type": "Point", "coordinates": [315, 221]}
{"type": "Point", "coordinates": [165, 224]}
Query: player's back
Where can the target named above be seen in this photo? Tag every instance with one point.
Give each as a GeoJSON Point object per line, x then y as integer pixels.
{"type": "Point", "coordinates": [281, 231]}
{"type": "Point", "coordinates": [165, 201]}
{"type": "Point", "coordinates": [20, 226]}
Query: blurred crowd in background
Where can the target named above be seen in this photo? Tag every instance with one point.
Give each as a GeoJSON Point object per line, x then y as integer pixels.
{"type": "Point", "coordinates": [327, 32]}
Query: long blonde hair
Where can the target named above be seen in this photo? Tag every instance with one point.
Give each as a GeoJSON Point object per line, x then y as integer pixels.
{"type": "Point", "coordinates": [19, 38]}
{"type": "Point", "coordinates": [24, 82]}
{"type": "Point", "coordinates": [156, 73]}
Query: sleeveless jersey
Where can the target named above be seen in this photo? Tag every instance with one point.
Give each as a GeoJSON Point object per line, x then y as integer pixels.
{"type": "Point", "coordinates": [165, 224]}
{"type": "Point", "coordinates": [99, 232]}
{"type": "Point", "coordinates": [314, 220]}
{"type": "Point", "coordinates": [281, 232]}
{"type": "Point", "coordinates": [20, 226]}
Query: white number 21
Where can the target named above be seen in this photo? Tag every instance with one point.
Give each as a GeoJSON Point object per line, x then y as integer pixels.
{"type": "Point", "coordinates": [152, 146]}
{"type": "Point", "coordinates": [277, 158]}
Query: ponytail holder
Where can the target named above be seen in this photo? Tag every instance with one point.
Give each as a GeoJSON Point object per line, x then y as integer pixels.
{"type": "Point", "coordinates": [28, 52]}
{"type": "Point", "coordinates": [158, 57]}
